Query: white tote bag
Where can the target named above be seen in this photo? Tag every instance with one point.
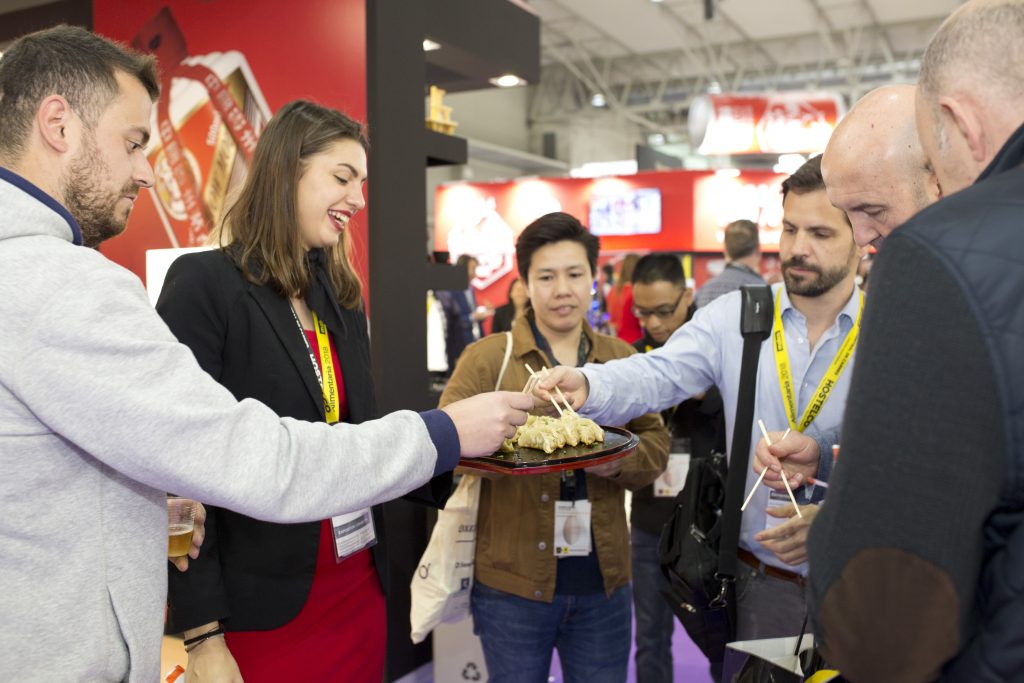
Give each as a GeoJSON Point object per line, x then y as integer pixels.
{"type": "Point", "coordinates": [444, 578]}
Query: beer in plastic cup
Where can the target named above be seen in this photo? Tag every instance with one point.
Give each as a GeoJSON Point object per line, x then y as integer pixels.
{"type": "Point", "coordinates": [181, 516]}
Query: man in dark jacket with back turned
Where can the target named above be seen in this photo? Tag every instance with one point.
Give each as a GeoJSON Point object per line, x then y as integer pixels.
{"type": "Point", "coordinates": [917, 555]}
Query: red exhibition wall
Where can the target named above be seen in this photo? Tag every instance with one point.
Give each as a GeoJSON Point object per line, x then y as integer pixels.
{"type": "Point", "coordinates": [484, 219]}
{"type": "Point", "coordinates": [265, 54]}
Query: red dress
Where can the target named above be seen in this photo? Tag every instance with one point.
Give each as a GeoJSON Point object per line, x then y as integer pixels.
{"type": "Point", "coordinates": [340, 633]}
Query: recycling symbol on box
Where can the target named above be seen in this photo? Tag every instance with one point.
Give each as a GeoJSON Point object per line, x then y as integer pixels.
{"type": "Point", "coordinates": [471, 673]}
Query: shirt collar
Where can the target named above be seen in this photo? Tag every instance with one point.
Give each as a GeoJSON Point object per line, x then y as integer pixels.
{"type": "Point", "coordinates": [525, 343]}
{"type": "Point", "coordinates": [33, 191]}
{"type": "Point", "coordinates": [850, 310]}
{"type": "Point", "coordinates": [853, 304]}
{"type": "Point", "coordinates": [741, 266]}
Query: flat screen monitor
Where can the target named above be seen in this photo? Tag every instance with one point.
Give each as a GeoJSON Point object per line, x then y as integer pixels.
{"type": "Point", "coordinates": [629, 212]}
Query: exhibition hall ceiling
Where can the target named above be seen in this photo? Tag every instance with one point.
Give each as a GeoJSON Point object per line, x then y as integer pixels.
{"type": "Point", "coordinates": [649, 59]}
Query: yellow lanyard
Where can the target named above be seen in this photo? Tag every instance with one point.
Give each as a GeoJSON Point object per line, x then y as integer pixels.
{"type": "Point", "coordinates": [828, 382]}
{"type": "Point", "coordinates": [329, 383]}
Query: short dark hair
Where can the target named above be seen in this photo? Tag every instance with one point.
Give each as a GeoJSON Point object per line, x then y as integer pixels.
{"type": "Point", "coordinates": [805, 179]}
{"type": "Point", "coordinates": [551, 228]}
{"type": "Point", "coordinates": [68, 61]}
{"type": "Point", "coordinates": [659, 267]}
{"type": "Point", "coordinates": [741, 239]}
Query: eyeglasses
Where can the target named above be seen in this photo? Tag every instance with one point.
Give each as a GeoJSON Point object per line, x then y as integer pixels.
{"type": "Point", "coordinates": [661, 313]}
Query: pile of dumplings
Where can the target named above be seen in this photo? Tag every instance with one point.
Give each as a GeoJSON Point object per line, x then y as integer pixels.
{"type": "Point", "coordinates": [548, 434]}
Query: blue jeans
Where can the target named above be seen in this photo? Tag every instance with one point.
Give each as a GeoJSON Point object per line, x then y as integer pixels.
{"type": "Point", "coordinates": [592, 634]}
{"type": "Point", "coordinates": [654, 618]}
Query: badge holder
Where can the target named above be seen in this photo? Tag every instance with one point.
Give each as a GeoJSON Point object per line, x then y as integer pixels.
{"type": "Point", "coordinates": [353, 532]}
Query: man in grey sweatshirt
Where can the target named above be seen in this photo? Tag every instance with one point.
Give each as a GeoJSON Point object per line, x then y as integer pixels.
{"type": "Point", "coordinates": [102, 411]}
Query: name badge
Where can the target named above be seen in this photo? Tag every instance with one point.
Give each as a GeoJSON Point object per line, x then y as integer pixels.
{"type": "Point", "coordinates": [777, 499]}
{"type": "Point", "coordinates": [572, 528]}
{"type": "Point", "coordinates": [671, 481]}
{"type": "Point", "coordinates": [353, 532]}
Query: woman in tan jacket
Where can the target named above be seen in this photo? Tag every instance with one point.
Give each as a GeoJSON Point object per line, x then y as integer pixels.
{"type": "Point", "coordinates": [526, 600]}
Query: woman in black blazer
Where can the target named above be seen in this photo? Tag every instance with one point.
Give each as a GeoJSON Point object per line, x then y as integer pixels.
{"type": "Point", "coordinates": [250, 311]}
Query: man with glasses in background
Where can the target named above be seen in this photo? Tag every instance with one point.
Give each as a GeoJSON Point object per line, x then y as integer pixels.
{"type": "Point", "coordinates": [663, 303]}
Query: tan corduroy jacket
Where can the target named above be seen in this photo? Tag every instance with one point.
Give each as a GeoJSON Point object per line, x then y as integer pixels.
{"type": "Point", "coordinates": [516, 523]}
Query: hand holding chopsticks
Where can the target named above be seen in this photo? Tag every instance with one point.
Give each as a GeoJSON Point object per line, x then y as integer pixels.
{"type": "Point", "coordinates": [532, 382]}
{"type": "Point", "coordinates": [572, 411]}
{"type": "Point", "coordinates": [764, 430]}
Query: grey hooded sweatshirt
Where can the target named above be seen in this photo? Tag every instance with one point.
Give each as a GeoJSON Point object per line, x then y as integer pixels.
{"type": "Point", "coordinates": [101, 413]}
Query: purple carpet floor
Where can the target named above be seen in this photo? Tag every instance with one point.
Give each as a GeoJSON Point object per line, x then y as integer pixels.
{"type": "Point", "coordinates": [688, 663]}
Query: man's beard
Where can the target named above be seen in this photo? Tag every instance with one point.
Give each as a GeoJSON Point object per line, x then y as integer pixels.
{"type": "Point", "coordinates": [94, 208]}
{"type": "Point", "coordinates": [811, 286]}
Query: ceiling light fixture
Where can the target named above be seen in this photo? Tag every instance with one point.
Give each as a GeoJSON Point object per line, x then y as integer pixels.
{"type": "Point", "coordinates": [598, 169]}
{"type": "Point", "coordinates": [507, 81]}
{"type": "Point", "coordinates": [429, 45]}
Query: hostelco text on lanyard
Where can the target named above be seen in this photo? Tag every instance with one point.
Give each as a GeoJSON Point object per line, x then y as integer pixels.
{"type": "Point", "coordinates": [353, 531]}
{"type": "Point", "coordinates": [828, 382]}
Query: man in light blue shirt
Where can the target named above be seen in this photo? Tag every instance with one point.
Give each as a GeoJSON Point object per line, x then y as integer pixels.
{"type": "Point", "coordinates": [878, 198]}
{"type": "Point", "coordinates": [819, 307]}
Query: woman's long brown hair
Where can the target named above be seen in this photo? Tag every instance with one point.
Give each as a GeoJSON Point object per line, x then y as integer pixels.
{"type": "Point", "coordinates": [626, 271]}
{"type": "Point", "coordinates": [263, 222]}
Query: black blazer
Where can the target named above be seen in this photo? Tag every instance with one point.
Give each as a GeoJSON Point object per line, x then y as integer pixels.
{"type": "Point", "coordinates": [256, 575]}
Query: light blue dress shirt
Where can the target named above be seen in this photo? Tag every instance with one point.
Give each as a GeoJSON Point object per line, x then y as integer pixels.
{"type": "Point", "coordinates": [707, 351]}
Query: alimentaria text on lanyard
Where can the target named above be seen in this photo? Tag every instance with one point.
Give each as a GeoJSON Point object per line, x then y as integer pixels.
{"type": "Point", "coordinates": [328, 379]}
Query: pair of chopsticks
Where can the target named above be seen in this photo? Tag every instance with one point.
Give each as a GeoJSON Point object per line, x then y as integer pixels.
{"type": "Point", "coordinates": [532, 382]}
{"type": "Point", "coordinates": [785, 477]}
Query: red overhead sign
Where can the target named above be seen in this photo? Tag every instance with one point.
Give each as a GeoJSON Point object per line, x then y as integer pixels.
{"type": "Point", "coordinates": [777, 123]}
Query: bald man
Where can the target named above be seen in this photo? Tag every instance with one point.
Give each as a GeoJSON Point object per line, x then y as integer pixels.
{"type": "Point", "coordinates": [918, 554]}
{"type": "Point", "coordinates": [874, 167]}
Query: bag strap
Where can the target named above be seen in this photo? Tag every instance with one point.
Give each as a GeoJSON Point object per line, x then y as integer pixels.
{"type": "Point", "coordinates": [755, 326]}
{"type": "Point", "coordinates": [504, 362]}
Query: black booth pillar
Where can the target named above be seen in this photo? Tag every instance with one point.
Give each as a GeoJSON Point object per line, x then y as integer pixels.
{"type": "Point", "coordinates": [480, 39]}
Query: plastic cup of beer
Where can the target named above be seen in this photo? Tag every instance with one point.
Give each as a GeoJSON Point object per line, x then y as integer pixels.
{"type": "Point", "coordinates": [181, 517]}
